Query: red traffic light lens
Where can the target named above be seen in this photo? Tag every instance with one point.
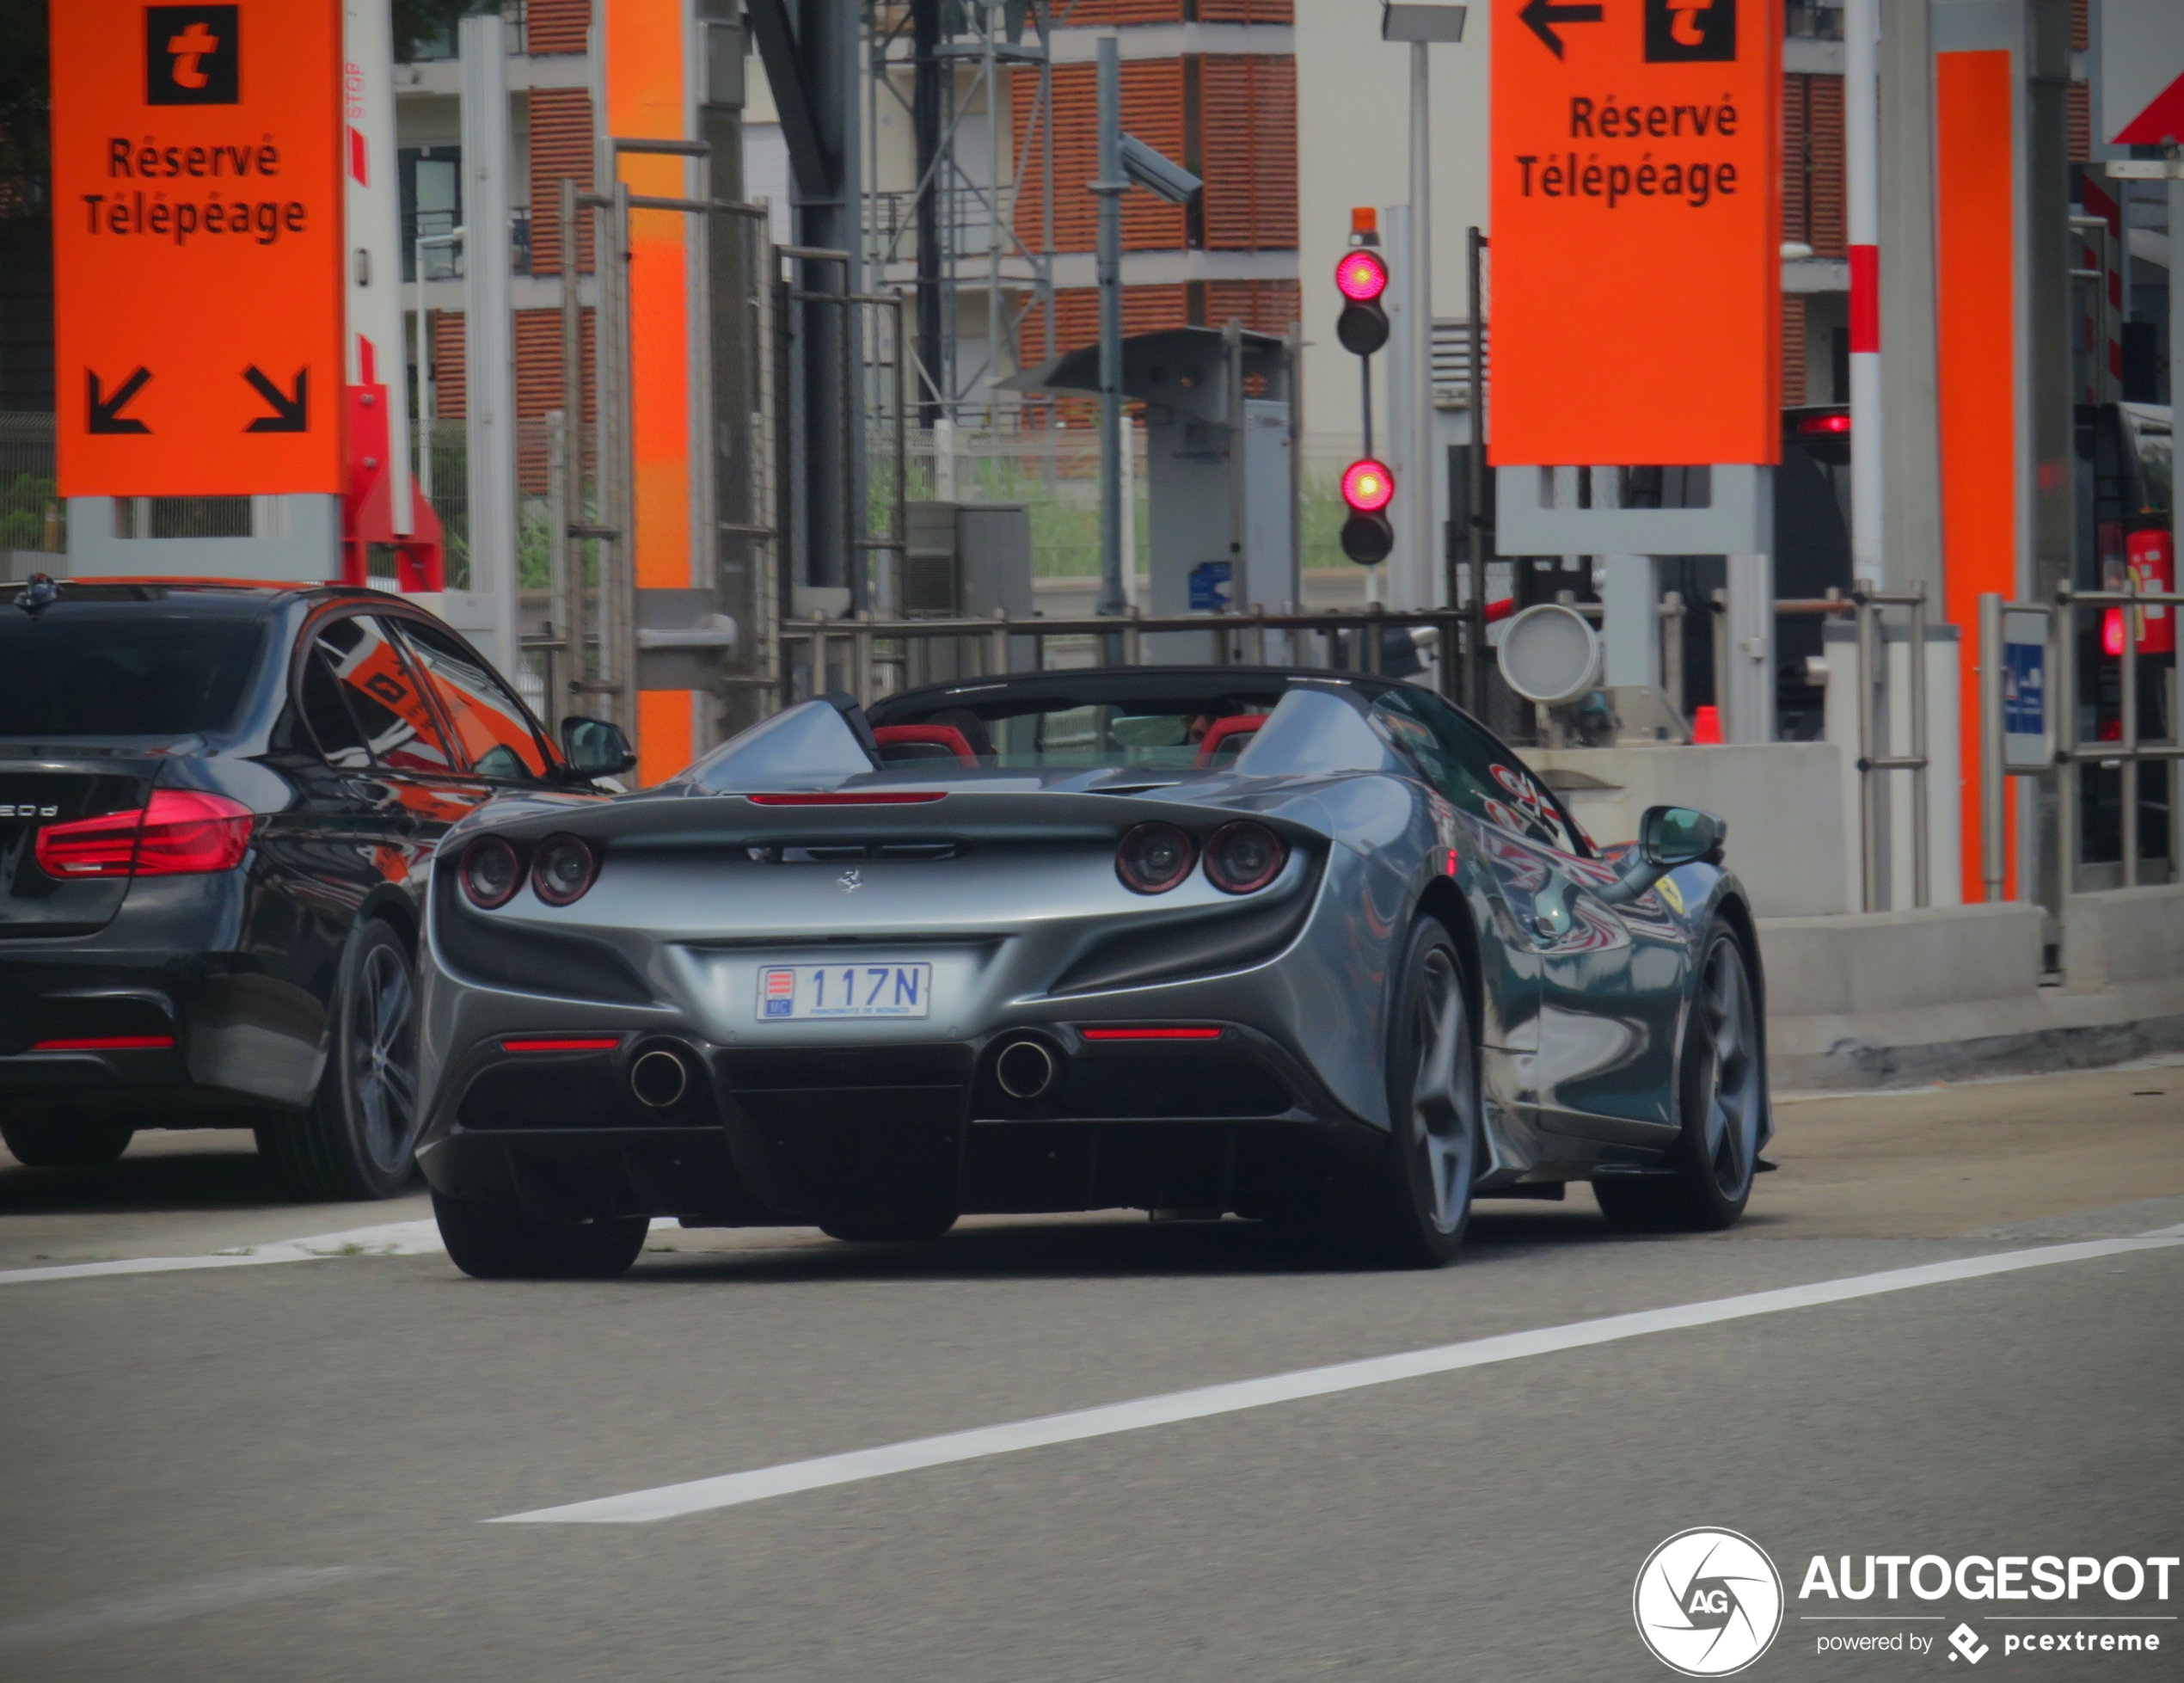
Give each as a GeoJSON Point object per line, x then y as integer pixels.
{"type": "Point", "coordinates": [1361, 276]}
{"type": "Point", "coordinates": [1368, 485]}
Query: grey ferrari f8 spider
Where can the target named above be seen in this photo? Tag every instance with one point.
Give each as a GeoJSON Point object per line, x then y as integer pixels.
{"type": "Point", "coordinates": [1312, 949]}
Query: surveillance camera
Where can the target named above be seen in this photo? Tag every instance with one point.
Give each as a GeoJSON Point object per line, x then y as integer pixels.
{"type": "Point", "coordinates": [1156, 174]}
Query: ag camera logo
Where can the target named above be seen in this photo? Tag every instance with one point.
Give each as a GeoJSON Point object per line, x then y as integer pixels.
{"type": "Point", "coordinates": [1708, 1603]}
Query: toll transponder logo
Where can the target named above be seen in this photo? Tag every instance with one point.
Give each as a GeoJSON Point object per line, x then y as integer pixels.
{"type": "Point", "coordinates": [1690, 32]}
{"type": "Point", "coordinates": [1708, 1602]}
{"type": "Point", "coordinates": [192, 55]}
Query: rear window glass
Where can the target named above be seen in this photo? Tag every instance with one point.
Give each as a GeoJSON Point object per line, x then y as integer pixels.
{"type": "Point", "coordinates": [116, 669]}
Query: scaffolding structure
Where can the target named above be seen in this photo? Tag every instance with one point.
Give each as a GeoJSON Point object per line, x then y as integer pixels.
{"type": "Point", "coordinates": [954, 232]}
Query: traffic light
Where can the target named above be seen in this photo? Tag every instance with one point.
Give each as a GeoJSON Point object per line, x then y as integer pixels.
{"type": "Point", "coordinates": [1367, 486]}
{"type": "Point", "coordinates": [1361, 276]}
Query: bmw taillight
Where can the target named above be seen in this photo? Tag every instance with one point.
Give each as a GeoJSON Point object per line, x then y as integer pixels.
{"type": "Point", "coordinates": [178, 833]}
{"type": "Point", "coordinates": [490, 873]}
{"type": "Point", "coordinates": [562, 869]}
{"type": "Point", "coordinates": [1154, 857]}
{"type": "Point", "coordinates": [1241, 858]}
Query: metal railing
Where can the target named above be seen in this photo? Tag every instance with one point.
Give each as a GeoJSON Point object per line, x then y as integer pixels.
{"type": "Point", "coordinates": [2126, 753]}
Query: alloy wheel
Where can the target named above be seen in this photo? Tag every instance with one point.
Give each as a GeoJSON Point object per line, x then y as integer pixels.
{"type": "Point", "coordinates": [383, 1041]}
{"type": "Point", "coordinates": [1728, 1085]}
{"type": "Point", "coordinates": [1444, 1102]}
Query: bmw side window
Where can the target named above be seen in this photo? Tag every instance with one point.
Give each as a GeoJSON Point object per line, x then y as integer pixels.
{"type": "Point", "coordinates": [340, 739]}
{"type": "Point", "coordinates": [491, 725]}
{"type": "Point", "coordinates": [386, 697]}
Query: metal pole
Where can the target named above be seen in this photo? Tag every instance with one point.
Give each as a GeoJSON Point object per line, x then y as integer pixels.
{"type": "Point", "coordinates": [2175, 153]}
{"type": "Point", "coordinates": [1871, 647]}
{"type": "Point", "coordinates": [619, 601]}
{"type": "Point", "coordinates": [1993, 800]}
{"type": "Point", "coordinates": [855, 517]}
{"type": "Point", "coordinates": [561, 476]}
{"type": "Point", "coordinates": [1862, 184]}
{"type": "Point", "coordinates": [1110, 187]}
{"type": "Point", "coordinates": [991, 77]}
{"type": "Point", "coordinates": [2062, 710]}
{"type": "Point", "coordinates": [1915, 668]}
{"type": "Point", "coordinates": [489, 366]}
{"type": "Point", "coordinates": [2127, 736]}
{"type": "Point", "coordinates": [1475, 543]}
{"type": "Point", "coordinates": [901, 532]}
{"type": "Point", "coordinates": [568, 611]}
{"type": "Point", "coordinates": [1232, 344]}
{"type": "Point", "coordinates": [1416, 590]}
{"type": "Point", "coordinates": [704, 434]}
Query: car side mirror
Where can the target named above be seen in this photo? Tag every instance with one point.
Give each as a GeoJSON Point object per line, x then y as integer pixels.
{"type": "Point", "coordinates": [1672, 836]}
{"type": "Point", "coordinates": [595, 749]}
{"type": "Point", "coordinates": [1667, 837]}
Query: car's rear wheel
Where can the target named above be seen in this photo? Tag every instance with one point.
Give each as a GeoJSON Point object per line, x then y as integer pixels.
{"type": "Point", "coordinates": [499, 1242]}
{"type": "Point", "coordinates": [66, 1140]}
{"type": "Point", "coordinates": [357, 1140]}
{"type": "Point", "coordinates": [1417, 1202]}
{"type": "Point", "coordinates": [1723, 1102]}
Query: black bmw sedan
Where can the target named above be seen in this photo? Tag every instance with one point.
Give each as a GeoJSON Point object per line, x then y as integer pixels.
{"type": "Point", "coordinates": [218, 802]}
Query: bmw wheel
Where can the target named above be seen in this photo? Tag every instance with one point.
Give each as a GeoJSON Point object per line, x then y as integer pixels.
{"type": "Point", "coordinates": [1723, 1101]}
{"type": "Point", "coordinates": [1419, 1195]}
{"type": "Point", "coordinates": [357, 1140]}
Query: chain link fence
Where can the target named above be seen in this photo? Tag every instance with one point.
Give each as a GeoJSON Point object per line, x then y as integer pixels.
{"type": "Point", "coordinates": [33, 517]}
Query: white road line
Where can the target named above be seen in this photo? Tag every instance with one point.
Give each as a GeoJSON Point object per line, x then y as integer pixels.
{"type": "Point", "coordinates": [395, 1238]}
{"type": "Point", "coordinates": [668, 1501]}
{"type": "Point", "coordinates": [181, 1601]}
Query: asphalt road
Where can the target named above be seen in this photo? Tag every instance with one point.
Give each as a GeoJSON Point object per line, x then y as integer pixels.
{"type": "Point", "coordinates": [285, 1472]}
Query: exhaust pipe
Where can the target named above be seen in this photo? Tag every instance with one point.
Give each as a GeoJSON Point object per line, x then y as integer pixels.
{"type": "Point", "coordinates": [660, 1079]}
{"type": "Point", "coordinates": [1025, 1070]}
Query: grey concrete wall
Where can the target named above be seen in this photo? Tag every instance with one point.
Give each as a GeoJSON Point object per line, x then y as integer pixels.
{"type": "Point", "coordinates": [1788, 834]}
{"type": "Point", "coordinates": [2124, 935]}
{"type": "Point", "coordinates": [1866, 962]}
{"type": "Point", "coordinates": [1894, 998]}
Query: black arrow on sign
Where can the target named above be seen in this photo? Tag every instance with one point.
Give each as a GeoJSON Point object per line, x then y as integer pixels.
{"type": "Point", "coordinates": [289, 416]}
{"type": "Point", "coordinates": [105, 412]}
{"type": "Point", "coordinates": [1540, 16]}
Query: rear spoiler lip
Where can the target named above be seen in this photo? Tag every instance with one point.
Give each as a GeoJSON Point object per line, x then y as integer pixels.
{"type": "Point", "coordinates": [734, 819]}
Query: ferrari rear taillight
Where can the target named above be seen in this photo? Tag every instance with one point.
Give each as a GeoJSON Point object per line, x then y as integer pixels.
{"type": "Point", "coordinates": [562, 869]}
{"type": "Point", "coordinates": [490, 873]}
{"type": "Point", "coordinates": [178, 833]}
{"type": "Point", "coordinates": [1154, 857]}
{"type": "Point", "coordinates": [1243, 858]}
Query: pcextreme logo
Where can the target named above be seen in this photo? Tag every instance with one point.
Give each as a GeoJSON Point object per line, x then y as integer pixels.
{"type": "Point", "coordinates": [1708, 1602]}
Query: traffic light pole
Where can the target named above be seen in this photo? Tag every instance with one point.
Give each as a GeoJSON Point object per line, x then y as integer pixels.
{"type": "Point", "coordinates": [1416, 588]}
{"type": "Point", "coordinates": [1110, 187]}
{"type": "Point", "coordinates": [1475, 537]}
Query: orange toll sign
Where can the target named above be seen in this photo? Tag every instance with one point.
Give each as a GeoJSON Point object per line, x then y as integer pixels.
{"type": "Point", "coordinates": [1637, 268]}
{"type": "Point", "coordinates": [197, 235]}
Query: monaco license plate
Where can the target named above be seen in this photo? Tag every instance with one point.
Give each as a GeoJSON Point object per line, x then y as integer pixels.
{"type": "Point", "coordinates": [792, 993]}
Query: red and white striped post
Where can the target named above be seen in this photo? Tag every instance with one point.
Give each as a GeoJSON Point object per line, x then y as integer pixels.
{"type": "Point", "coordinates": [1861, 161]}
